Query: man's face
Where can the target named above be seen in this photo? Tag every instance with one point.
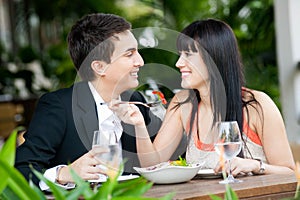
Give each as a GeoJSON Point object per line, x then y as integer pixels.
{"type": "Point", "coordinates": [122, 72]}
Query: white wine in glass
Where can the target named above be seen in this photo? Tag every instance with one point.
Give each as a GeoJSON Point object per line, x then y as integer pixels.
{"type": "Point", "coordinates": [111, 159]}
{"type": "Point", "coordinates": [228, 145]}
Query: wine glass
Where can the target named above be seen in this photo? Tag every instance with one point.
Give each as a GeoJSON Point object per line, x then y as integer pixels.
{"type": "Point", "coordinates": [111, 152]}
{"type": "Point", "coordinates": [228, 145]}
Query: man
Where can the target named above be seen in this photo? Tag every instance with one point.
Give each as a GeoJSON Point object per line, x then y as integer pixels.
{"type": "Point", "coordinates": [105, 54]}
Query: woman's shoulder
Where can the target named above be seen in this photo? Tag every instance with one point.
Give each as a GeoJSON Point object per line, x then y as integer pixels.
{"type": "Point", "coordinates": [260, 96]}
{"type": "Point", "coordinates": [261, 104]}
{"type": "Point", "coordinates": [178, 98]}
{"type": "Point", "coordinates": [182, 94]}
{"type": "Point", "coordinates": [258, 106]}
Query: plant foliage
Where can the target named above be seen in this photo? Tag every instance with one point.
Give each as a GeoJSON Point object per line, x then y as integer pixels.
{"type": "Point", "coordinates": [14, 186]}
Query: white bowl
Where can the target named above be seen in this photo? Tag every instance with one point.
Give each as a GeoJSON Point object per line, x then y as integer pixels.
{"type": "Point", "coordinates": [164, 173]}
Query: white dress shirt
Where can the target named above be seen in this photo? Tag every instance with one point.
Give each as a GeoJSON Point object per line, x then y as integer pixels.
{"type": "Point", "coordinates": [106, 119]}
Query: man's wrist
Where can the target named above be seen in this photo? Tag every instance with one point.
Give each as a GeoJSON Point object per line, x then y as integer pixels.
{"type": "Point", "coordinates": [58, 179]}
{"type": "Point", "coordinates": [51, 174]}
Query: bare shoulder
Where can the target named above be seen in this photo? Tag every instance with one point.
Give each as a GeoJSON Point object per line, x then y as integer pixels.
{"type": "Point", "coordinates": [181, 95]}
{"type": "Point", "coordinates": [182, 110]}
{"type": "Point", "coordinates": [264, 100]}
{"type": "Point", "coordinates": [259, 96]}
{"type": "Point", "coordinates": [263, 112]}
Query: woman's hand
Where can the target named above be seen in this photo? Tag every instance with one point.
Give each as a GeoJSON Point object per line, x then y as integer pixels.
{"type": "Point", "coordinates": [240, 166]}
{"type": "Point", "coordinates": [128, 113]}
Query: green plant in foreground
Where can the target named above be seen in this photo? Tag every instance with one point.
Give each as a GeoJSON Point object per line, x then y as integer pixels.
{"type": "Point", "coordinates": [14, 186]}
{"type": "Point", "coordinates": [297, 173]}
{"type": "Point", "coordinates": [229, 194]}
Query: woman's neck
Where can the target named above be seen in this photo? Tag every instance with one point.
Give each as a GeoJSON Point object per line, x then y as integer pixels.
{"type": "Point", "coordinates": [205, 97]}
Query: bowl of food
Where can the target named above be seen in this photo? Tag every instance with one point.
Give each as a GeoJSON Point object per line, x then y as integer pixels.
{"type": "Point", "coordinates": [169, 172]}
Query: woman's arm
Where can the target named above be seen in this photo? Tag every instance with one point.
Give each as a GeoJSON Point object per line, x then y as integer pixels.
{"type": "Point", "coordinates": [273, 137]}
{"type": "Point", "coordinates": [166, 140]}
{"type": "Point", "coordinates": [267, 122]}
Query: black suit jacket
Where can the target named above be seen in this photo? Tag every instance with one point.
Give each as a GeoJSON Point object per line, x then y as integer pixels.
{"type": "Point", "coordinates": [62, 127]}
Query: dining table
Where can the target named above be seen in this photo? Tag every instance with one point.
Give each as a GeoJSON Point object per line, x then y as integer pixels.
{"type": "Point", "coordinates": [258, 187]}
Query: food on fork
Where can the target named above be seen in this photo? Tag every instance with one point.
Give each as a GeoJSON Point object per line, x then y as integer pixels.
{"type": "Point", "coordinates": [161, 96]}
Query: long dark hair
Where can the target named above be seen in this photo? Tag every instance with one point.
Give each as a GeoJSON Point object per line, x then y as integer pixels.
{"type": "Point", "coordinates": [217, 44]}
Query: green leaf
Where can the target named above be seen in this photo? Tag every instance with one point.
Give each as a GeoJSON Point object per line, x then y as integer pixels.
{"type": "Point", "coordinates": [230, 194]}
{"type": "Point", "coordinates": [126, 185]}
{"type": "Point", "coordinates": [183, 161]}
{"type": "Point", "coordinates": [215, 197]}
{"type": "Point", "coordinates": [76, 193]}
{"type": "Point", "coordinates": [17, 183]}
{"type": "Point", "coordinates": [129, 183]}
{"type": "Point", "coordinates": [168, 196]}
{"type": "Point", "coordinates": [83, 187]}
{"type": "Point", "coordinates": [135, 190]}
{"type": "Point", "coordinates": [105, 191]}
{"type": "Point", "coordinates": [57, 191]}
{"type": "Point", "coordinates": [4, 179]}
{"type": "Point", "coordinates": [135, 187]}
{"type": "Point", "coordinates": [7, 153]}
{"type": "Point", "coordinates": [38, 191]}
{"type": "Point", "coordinates": [17, 190]}
{"type": "Point", "coordinates": [8, 194]}
{"type": "Point", "coordinates": [133, 198]}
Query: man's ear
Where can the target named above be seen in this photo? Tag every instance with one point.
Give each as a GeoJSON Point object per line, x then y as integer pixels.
{"type": "Point", "coordinates": [98, 67]}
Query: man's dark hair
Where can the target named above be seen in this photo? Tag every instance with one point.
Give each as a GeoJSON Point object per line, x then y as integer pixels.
{"type": "Point", "coordinates": [90, 39]}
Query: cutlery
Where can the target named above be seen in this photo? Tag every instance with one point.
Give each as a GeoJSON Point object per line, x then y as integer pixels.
{"type": "Point", "coordinates": [148, 105]}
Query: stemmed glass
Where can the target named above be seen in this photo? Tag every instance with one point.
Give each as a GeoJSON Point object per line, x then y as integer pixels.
{"type": "Point", "coordinates": [111, 156]}
{"type": "Point", "coordinates": [228, 145]}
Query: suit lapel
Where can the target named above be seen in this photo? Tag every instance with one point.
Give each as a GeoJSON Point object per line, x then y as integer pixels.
{"type": "Point", "coordinates": [84, 113]}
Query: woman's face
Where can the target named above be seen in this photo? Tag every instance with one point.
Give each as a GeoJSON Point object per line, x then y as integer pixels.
{"type": "Point", "coordinates": [193, 70]}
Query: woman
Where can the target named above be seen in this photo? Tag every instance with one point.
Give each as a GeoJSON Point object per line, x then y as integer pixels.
{"type": "Point", "coordinates": [212, 72]}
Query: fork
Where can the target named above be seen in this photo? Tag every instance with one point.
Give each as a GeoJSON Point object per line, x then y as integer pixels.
{"type": "Point", "coordinates": [148, 105]}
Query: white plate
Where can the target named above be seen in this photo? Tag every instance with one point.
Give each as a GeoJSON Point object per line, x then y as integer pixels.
{"type": "Point", "coordinates": [208, 173]}
{"type": "Point", "coordinates": [167, 174]}
{"type": "Point", "coordinates": [103, 178]}
{"type": "Point", "coordinates": [127, 177]}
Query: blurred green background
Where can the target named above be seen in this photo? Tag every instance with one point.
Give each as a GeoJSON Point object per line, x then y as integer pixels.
{"type": "Point", "coordinates": [38, 30]}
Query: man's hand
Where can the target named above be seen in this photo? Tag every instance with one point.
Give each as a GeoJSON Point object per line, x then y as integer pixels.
{"type": "Point", "coordinates": [85, 167]}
